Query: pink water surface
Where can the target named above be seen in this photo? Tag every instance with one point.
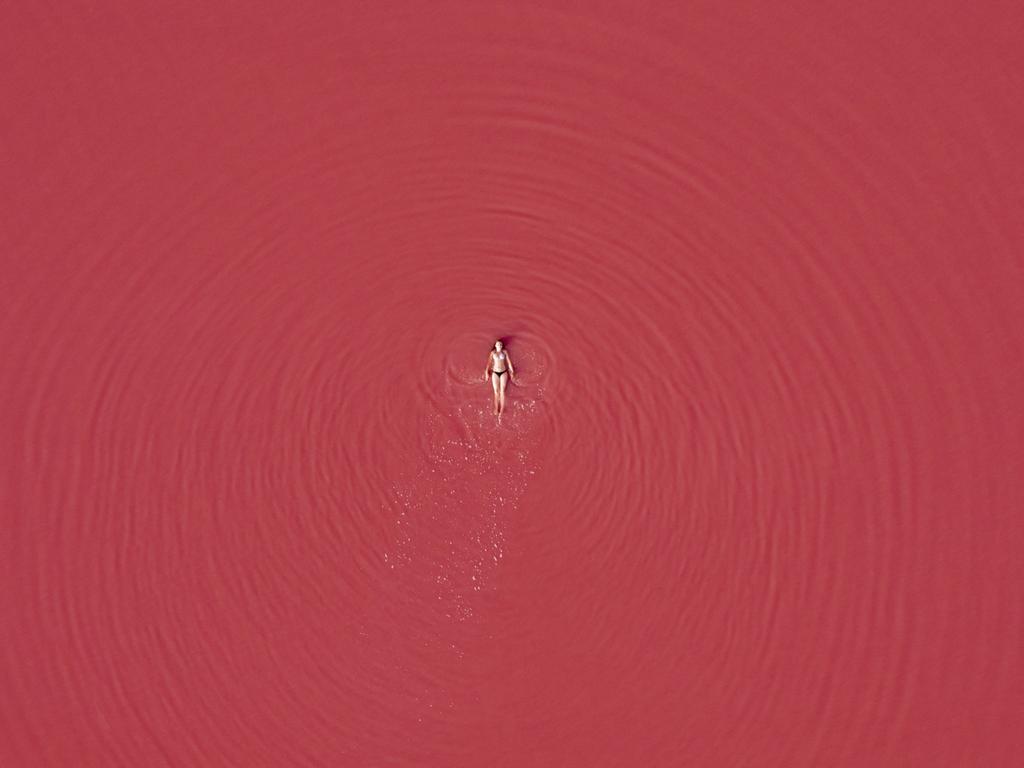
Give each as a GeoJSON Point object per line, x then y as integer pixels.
{"type": "Point", "coordinates": [757, 498]}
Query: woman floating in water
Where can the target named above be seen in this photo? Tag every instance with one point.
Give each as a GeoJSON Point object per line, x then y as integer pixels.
{"type": "Point", "coordinates": [500, 370]}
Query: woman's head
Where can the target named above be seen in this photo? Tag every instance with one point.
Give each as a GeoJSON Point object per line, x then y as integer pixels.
{"type": "Point", "coordinates": [498, 345]}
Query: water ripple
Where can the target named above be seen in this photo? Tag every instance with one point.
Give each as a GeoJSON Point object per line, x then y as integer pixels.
{"type": "Point", "coordinates": [753, 501]}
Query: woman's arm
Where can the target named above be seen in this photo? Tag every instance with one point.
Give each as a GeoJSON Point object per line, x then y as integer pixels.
{"type": "Point", "coordinates": [487, 370]}
{"type": "Point", "coordinates": [511, 370]}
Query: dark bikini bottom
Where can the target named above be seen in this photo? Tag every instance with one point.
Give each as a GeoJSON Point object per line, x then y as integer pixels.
{"type": "Point", "coordinates": [499, 373]}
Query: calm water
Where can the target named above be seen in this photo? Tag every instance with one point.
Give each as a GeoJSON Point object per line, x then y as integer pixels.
{"type": "Point", "coordinates": [757, 497]}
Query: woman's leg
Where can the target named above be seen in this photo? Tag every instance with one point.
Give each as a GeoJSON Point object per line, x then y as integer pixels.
{"type": "Point", "coordinates": [501, 393]}
{"type": "Point", "coordinates": [494, 383]}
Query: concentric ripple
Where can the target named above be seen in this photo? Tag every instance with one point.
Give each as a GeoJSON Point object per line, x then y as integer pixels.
{"type": "Point", "coordinates": [755, 499]}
